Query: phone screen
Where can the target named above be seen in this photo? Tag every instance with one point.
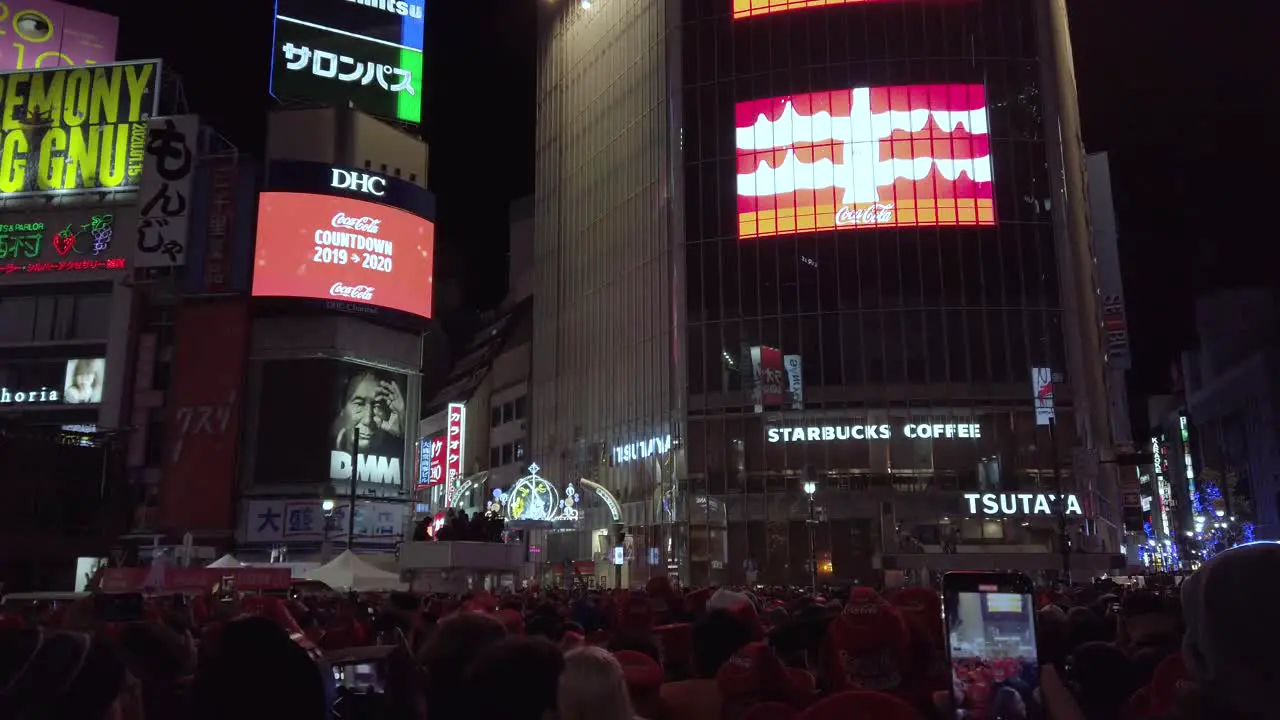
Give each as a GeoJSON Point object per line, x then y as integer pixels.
{"type": "Point", "coordinates": [991, 645]}
{"type": "Point", "coordinates": [360, 677]}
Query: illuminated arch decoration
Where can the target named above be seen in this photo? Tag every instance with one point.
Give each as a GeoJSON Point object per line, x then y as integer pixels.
{"type": "Point", "coordinates": [609, 500]}
{"type": "Point", "coordinates": [465, 487]}
{"type": "Point", "coordinates": [534, 499]}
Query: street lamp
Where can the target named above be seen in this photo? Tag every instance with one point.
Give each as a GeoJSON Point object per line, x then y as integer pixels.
{"type": "Point", "coordinates": [811, 487]}
{"type": "Point", "coordinates": [327, 505]}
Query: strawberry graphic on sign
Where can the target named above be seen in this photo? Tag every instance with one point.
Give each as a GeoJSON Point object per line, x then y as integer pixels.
{"type": "Point", "coordinates": [65, 241]}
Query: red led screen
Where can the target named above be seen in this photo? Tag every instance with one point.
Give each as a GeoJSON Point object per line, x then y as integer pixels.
{"type": "Point", "coordinates": [751, 8]}
{"type": "Point", "coordinates": [904, 156]}
{"type": "Point", "coordinates": [334, 248]}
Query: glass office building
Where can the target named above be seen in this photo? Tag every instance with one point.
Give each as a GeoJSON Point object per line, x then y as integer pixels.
{"type": "Point", "coordinates": [813, 243]}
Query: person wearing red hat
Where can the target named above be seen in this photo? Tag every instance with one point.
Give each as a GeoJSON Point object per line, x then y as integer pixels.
{"type": "Point", "coordinates": [867, 645]}
{"type": "Point", "coordinates": [644, 681]}
{"type": "Point", "coordinates": [753, 675]}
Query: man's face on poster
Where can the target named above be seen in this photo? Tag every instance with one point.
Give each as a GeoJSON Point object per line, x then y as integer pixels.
{"type": "Point", "coordinates": [374, 407]}
{"type": "Point", "coordinates": [363, 403]}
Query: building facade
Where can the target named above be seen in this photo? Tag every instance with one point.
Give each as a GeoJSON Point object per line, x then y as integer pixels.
{"type": "Point", "coordinates": [334, 368]}
{"type": "Point", "coordinates": [736, 300]}
{"type": "Point", "coordinates": [475, 428]}
{"type": "Point", "coordinates": [1232, 400]}
{"type": "Point", "coordinates": [88, 288]}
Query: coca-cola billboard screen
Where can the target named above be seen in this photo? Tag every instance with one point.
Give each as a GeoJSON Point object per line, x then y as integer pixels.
{"type": "Point", "coordinates": [752, 8]}
{"type": "Point", "coordinates": [344, 250]}
{"type": "Point", "coordinates": [882, 157]}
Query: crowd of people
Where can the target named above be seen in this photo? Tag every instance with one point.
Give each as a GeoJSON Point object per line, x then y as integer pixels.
{"type": "Point", "coordinates": [457, 525]}
{"type": "Point", "coordinates": [1204, 651]}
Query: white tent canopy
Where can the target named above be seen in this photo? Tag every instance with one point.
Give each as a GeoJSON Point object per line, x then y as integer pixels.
{"type": "Point", "coordinates": [226, 561]}
{"type": "Point", "coordinates": [349, 572]}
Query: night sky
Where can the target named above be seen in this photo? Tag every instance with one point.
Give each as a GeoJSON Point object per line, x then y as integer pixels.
{"type": "Point", "coordinates": [1178, 95]}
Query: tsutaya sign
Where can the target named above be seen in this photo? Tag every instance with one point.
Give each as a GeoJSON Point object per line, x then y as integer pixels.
{"type": "Point", "coordinates": [915, 431]}
{"type": "Point", "coordinates": [642, 449]}
{"type": "Point", "coordinates": [1019, 504]}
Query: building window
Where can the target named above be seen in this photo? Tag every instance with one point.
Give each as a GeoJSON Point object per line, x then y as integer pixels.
{"type": "Point", "coordinates": [520, 408]}
{"type": "Point", "coordinates": [384, 167]}
{"type": "Point", "coordinates": [413, 177]}
{"type": "Point", "coordinates": [519, 449]}
{"type": "Point", "coordinates": [508, 454]}
{"type": "Point", "coordinates": [495, 416]}
{"type": "Point", "coordinates": [397, 172]}
{"type": "Point", "coordinates": [368, 164]}
{"type": "Point", "coordinates": [494, 456]}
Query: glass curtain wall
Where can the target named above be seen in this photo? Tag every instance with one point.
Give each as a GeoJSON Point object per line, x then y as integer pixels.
{"type": "Point", "coordinates": [931, 319]}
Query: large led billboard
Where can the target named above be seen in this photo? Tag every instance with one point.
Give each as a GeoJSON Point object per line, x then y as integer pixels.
{"type": "Point", "coordinates": [45, 34]}
{"type": "Point", "coordinates": [319, 420]}
{"type": "Point", "coordinates": [752, 8]}
{"type": "Point", "coordinates": [364, 52]}
{"type": "Point", "coordinates": [882, 157]}
{"type": "Point", "coordinates": [334, 248]}
{"type": "Point", "coordinates": [76, 128]}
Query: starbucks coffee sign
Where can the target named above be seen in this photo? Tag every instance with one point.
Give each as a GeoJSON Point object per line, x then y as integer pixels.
{"type": "Point", "coordinates": [1009, 504]}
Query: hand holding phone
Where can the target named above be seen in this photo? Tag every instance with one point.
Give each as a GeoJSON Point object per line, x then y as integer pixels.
{"type": "Point", "coordinates": [991, 644]}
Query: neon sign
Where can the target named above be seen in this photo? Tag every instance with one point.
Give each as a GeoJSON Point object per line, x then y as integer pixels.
{"type": "Point", "coordinates": [1019, 504]}
{"type": "Point", "coordinates": [915, 431]}
{"type": "Point", "coordinates": [24, 241]}
{"type": "Point", "coordinates": [642, 449]}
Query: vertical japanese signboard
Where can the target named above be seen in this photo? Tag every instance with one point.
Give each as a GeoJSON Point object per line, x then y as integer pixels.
{"type": "Point", "coordinates": [454, 448]}
{"type": "Point", "coordinates": [220, 222]}
{"type": "Point", "coordinates": [165, 199]}
{"type": "Point", "coordinates": [431, 471]}
{"type": "Point", "coordinates": [203, 415]}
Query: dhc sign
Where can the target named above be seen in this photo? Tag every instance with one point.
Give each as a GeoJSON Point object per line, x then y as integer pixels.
{"type": "Point", "coordinates": [642, 449]}
{"type": "Point", "coordinates": [359, 182]}
{"type": "Point", "coordinates": [1019, 504]}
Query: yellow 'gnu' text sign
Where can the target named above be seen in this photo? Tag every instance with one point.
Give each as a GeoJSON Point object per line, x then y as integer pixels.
{"type": "Point", "coordinates": [75, 128]}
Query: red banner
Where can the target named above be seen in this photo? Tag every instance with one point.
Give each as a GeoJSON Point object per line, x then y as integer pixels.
{"type": "Point", "coordinates": [204, 416]}
{"type": "Point", "coordinates": [194, 580]}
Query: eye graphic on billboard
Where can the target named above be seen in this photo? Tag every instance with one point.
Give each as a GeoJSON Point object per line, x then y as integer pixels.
{"type": "Point", "coordinates": [320, 420]}
{"type": "Point", "coordinates": [332, 248]}
{"type": "Point", "coordinates": [884, 157]}
{"type": "Point", "coordinates": [366, 52]}
{"type": "Point", "coordinates": [80, 128]}
{"type": "Point", "coordinates": [45, 34]}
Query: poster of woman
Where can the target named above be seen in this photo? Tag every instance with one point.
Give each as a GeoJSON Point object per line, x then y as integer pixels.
{"type": "Point", "coordinates": [83, 384]}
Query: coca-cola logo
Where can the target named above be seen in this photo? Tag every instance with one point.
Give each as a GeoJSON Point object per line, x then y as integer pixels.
{"type": "Point", "coordinates": [363, 224]}
{"type": "Point", "coordinates": [878, 213]}
{"type": "Point", "coordinates": [355, 292]}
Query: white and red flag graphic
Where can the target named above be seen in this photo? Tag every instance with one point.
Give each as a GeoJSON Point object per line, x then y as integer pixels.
{"type": "Point", "coordinates": [868, 157]}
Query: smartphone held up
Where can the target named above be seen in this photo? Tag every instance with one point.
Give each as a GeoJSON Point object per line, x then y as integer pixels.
{"type": "Point", "coordinates": [991, 644]}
